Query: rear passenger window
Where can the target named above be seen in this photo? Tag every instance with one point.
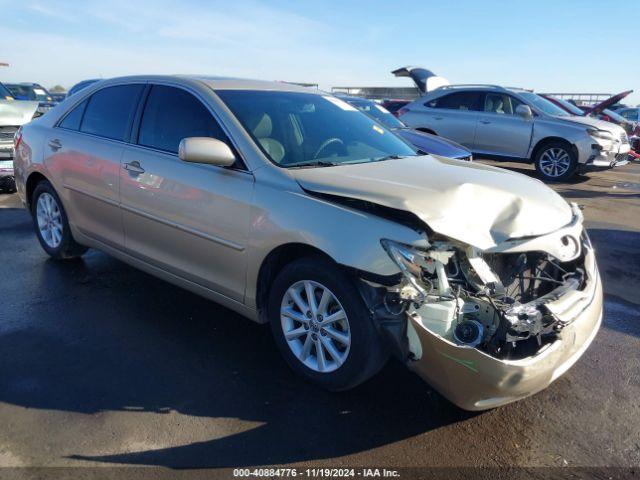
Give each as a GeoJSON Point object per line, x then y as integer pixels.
{"type": "Point", "coordinates": [171, 114]}
{"type": "Point", "coordinates": [457, 101]}
{"type": "Point", "coordinates": [74, 117]}
{"type": "Point", "coordinates": [110, 111]}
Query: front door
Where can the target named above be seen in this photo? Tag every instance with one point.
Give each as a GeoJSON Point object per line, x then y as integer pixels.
{"type": "Point", "coordinates": [500, 130]}
{"type": "Point", "coordinates": [189, 219]}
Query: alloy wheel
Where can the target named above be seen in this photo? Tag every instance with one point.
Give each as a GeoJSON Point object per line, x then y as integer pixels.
{"type": "Point", "coordinates": [315, 326]}
{"type": "Point", "coordinates": [555, 162]}
{"type": "Point", "coordinates": [49, 219]}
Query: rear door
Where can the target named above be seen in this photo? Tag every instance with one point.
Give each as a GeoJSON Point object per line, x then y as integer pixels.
{"type": "Point", "coordinates": [500, 130]}
{"type": "Point", "coordinates": [188, 219]}
{"type": "Point", "coordinates": [455, 116]}
{"type": "Point", "coordinates": [83, 153]}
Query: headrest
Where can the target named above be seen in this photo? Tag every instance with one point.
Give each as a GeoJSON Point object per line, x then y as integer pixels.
{"type": "Point", "coordinates": [263, 127]}
{"type": "Point", "coordinates": [488, 104]}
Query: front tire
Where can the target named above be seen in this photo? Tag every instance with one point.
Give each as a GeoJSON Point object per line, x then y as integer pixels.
{"type": "Point", "coordinates": [556, 161]}
{"type": "Point", "coordinates": [330, 340]}
{"type": "Point", "coordinates": [52, 225]}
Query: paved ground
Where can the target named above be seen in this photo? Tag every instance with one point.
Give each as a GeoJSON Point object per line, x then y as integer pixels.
{"type": "Point", "coordinates": [101, 364]}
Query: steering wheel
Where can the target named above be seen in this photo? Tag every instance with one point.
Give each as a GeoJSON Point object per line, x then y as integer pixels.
{"type": "Point", "coordinates": [328, 143]}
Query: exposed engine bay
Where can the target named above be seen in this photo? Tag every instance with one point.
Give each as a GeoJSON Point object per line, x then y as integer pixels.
{"type": "Point", "coordinates": [492, 301]}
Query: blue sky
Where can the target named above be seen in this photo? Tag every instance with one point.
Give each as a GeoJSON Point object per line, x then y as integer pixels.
{"type": "Point", "coordinates": [560, 45]}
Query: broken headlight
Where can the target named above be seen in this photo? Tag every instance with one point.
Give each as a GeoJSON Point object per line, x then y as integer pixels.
{"type": "Point", "coordinates": [600, 134]}
{"type": "Point", "coordinates": [410, 261]}
{"type": "Point", "coordinates": [417, 264]}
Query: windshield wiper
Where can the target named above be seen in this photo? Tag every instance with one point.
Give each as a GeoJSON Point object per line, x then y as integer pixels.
{"type": "Point", "coordinates": [314, 163]}
{"type": "Point", "coordinates": [388, 157]}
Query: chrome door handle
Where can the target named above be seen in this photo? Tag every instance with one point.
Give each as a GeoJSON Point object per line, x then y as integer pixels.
{"type": "Point", "coordinates": [486, 122]}
{"type": "Point", "coordinates": [55, 144]}
{"type": "Point", "coordinates": [133, 167]}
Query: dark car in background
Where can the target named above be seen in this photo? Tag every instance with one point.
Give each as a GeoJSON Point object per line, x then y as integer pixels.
{"type": "Point", "coordinates": [32, 92]}
{"type": "Point", "coordinates": [81, 85]}
{"type": "Point", "coordinates": [58, 96]}
{"type": "Point", "coordinates": [425, 142]}
{"type": "Point", "coordinates": [394, 105]}
{"type": "Point", "coordinates": [630, 113]}
{"type": "Point", "coordinates": [5, 93]}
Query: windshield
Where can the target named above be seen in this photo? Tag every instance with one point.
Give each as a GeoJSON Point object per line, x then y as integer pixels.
{"type": "Point", "coordinates": [570, 107]}
{"type": "Point", "coordinates": [304, 129]}
{"type": "Point", "coordinates": [5, 94]}
{"type": "Point", "coordinates": [376, 111]}
{"type": "Point", "coordinates": [543, 104]}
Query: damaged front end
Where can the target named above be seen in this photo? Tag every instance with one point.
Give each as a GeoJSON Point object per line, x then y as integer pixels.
{"type": "Point", "coordinates": [489, 327]}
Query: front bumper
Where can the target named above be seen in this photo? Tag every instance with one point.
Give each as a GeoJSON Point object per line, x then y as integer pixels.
{"type": "Point", "coordinates": [474, 380]}
{"type": "Point", "coordinates": [606, 155]}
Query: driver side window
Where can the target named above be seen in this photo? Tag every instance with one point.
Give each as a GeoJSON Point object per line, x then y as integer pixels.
{"type": "Point", "coordinates": [171, 114]}
{"type": "Point", "coordinates": [501, 104]}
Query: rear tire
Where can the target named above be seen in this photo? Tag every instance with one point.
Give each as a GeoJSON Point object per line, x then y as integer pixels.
{"type": "Point", "coordinates": [556, 161]}
{"type": "Point", "coordinates": [52, 225]}
{"type": "Point", "coordinates": [305, 339]}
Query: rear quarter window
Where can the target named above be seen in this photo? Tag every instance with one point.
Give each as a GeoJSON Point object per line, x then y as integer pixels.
{"type": "Point", "coordinates": [74, 117]}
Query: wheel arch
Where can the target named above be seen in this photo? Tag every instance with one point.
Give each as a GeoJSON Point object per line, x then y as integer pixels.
{"type": "Point", "coordinates": [274, 262]}
{"type": "Point", "coordinates": [546, 140]}
{"type": "Point", "coordinates": [33, 180]}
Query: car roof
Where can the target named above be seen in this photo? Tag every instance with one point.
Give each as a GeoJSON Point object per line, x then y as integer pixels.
{"type": "Point", "coordinates": [221, 83]}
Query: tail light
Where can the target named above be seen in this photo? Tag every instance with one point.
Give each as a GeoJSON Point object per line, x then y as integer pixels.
{"type": "Point", "coordinates": [17, 139]}
{"type": "Point", "coordinates": [402, 111]}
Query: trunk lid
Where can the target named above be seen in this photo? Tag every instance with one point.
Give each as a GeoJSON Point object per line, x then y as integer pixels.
{"type": "Point", "coordinates": [425, 80]}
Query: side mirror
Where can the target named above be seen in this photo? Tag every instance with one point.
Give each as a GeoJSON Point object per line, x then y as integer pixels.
{"type": "Point", "coordinates": [206, 150]}
{"type": "Point", "coordinates": [524, 111]}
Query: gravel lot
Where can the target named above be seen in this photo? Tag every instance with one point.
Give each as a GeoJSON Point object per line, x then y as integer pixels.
{"type": "Point", "coordinates": [101, 364]}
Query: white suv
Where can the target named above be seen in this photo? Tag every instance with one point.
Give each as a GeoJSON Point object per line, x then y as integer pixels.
{"type": "Point", "coordinates": [516, 124]}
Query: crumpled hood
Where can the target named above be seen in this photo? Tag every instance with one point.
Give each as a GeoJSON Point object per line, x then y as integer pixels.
{"type": "Point", "coordinates": [16, 112]}
{"type": "Point", "coordinates": [476, 204]}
